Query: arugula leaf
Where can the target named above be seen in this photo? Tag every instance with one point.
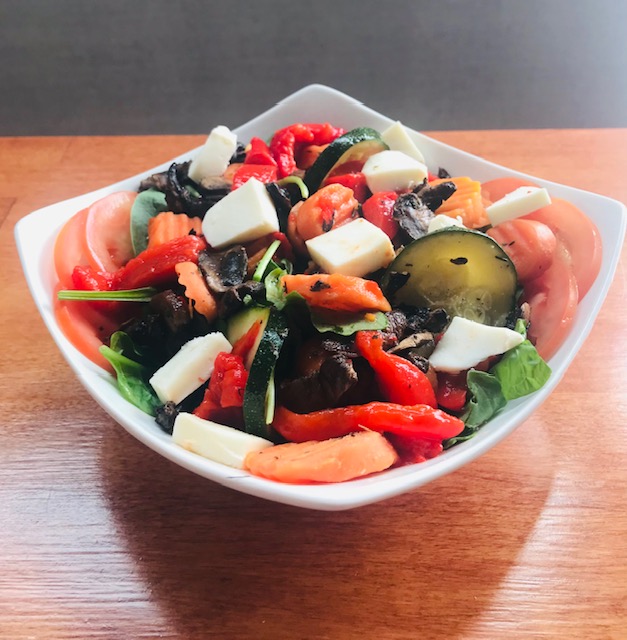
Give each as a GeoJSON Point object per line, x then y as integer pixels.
{"type": "Point", "coordinates": [147, 205]}
{"type": "Point", "coordinates": [346, 324]}
{"type": "Point", "coordinates": [131, 376]}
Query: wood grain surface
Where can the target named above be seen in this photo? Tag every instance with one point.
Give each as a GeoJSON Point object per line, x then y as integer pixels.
{"type": "Point", "coordinates": [102, 538]}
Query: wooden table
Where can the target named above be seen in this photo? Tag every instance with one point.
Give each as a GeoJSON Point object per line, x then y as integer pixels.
{"type": "Point", "coordinates": [102, 538]}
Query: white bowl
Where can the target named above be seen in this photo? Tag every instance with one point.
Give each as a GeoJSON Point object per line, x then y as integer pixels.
{"type": "Point", "coordinates": [35, 236]}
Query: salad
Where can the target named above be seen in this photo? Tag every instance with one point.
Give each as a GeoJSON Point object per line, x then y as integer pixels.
{"type": "Point", "coordinates": [320, 306]}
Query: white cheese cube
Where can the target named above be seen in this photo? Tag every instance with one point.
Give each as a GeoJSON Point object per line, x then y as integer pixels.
{"type": "Point", "coordinates": [466, 343]}
{"type": "Point", "coordinates": [393, 171]}
{"type": "Point", "coordinates": [241, 216]}
{"type": "Point", "coordinates": [214, 157]}
{"type": "Point", "coordinates": [191, 367]}
{"type": "Point", "coordinates": [354, 249]}
{"type": "Point", "coordinates": [442, 222]}
{"type": "Point", "coordinates": [215, 441]}
{"type": "Point", "coordinates": [397, 138]}
{"type": "Point", "coordinates": [518, 203]}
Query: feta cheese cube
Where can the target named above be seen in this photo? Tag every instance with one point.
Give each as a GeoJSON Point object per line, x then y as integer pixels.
{"type": "Point", "coordinates": [397, 138]}
{"type": "Point", "coordinates": [215, 441]}
{"type": "Point", "coordinates": [214, 157]}
{"type": "Point", "coordinates": [518, 203]}
{"type": "Point", "coordinates": [191, 367]}
{"type": "Point", "coordinates": [241, 216]}
{"type": "Point", "coordinates": [393, 171]}
{"type": "Point", "coordinates": [354, 249]}
{"type": "Point", "coordinates": [466, 343]}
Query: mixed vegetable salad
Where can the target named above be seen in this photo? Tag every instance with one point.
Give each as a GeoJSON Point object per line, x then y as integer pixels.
{"type": "Point", "coordinates": [320, 306]}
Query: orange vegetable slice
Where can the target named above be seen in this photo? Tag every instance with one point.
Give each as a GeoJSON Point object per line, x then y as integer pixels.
{"type": "Point", "coordinates": [337, 460]}
{"type": "Point", "coordinates": [167, 226]}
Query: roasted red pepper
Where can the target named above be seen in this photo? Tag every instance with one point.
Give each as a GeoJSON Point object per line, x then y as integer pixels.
{"type": "Point", "coordinates": [452, 391]}
{"type": "Point", "coordinates": [400, 381]}
{"type": "Point", "coordinates": [355, 181]}
{"type": "Point", "coordinates": [379, 209]}
{"type": "Point", "coordinates": [88, 279]}
{"type": "Point", "coordinates": [263, 172]}
{"type": "Point", "coordinates": [155, 267]}
{"type": "Point", "coordinates": [243, 346]}
{"type": "Point", "coordinates": [283, 146]}
{"type": "Point", "coordinates": [419, 421]}
{"type": "Point", "coordinates": [259, 153]}
{"type": "Point", "coordinates": [225, 394]}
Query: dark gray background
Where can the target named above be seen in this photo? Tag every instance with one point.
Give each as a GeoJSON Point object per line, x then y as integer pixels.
{"type": "Point", "coordinates": [141, 66]}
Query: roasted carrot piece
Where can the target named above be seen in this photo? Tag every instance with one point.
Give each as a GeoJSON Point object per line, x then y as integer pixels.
{"type": "Point", "coordinates": [168, 226]}
{"type": "Point", "coordinates": [337, 292]}
{"type": "Point", "coordinates": [196, 290]}
{"type": "Point", "coordinates": [467, 202]}
{"type": "Point", "coordinates": [337, 460]}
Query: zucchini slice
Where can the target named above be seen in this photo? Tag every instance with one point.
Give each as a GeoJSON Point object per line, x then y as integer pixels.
{"type": "Point", "coordinates": [355, 146]}
{"type": "Point", "coordinates": [462, 271]}
{"type": "Point", "coordinates": [239, 325]}
{"type": "Point", "coordinates": [260, 376]}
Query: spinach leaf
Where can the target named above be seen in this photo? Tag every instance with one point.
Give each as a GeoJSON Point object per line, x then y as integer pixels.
{"type": "Point", "coordinates": [131, 375]}
{"type": "Point", "coordinates": [346, 324]}
{"type": "Point", "coordinates": [486, 399]}
{"type": "Point", "coordinates": [147, 205]}
{"type": "Point", "coordinates": [521, 371]}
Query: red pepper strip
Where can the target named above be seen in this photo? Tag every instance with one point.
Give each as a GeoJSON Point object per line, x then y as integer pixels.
{"type": "Point", "coordinates": [379, 209]}
{"type": "Point", "coordinates": [88, 279]}
{"type": "Point", "coordinates": [263, 172]}
{"type": "Point", "coordinates": [412, 450]}
{"type": "Point", "coordinates": [243, 346]}
{"type": "Point", "coordinates": [452, 390]}
{"type": "Point", "coordinates": [154, 267]}
{"type": "Point", "coordinates": [355, 181]}
{"type": "Point", "coordinates": [401, 381]}
{"type": "Point", "coordinates": [226, 389]}
{"type": "Point", "coordinates": [284, 141]}
{"type": "Point", "coordinates": [259, 153]}
{"type": "Point", "coordinates": [419, 421]}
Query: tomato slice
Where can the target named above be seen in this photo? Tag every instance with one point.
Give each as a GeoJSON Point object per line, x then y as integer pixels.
{"type": "Point", "coordinates": [69, 249]}
{"type": "Point", "coordinates": [552, 299]}
{"type": "Point", "coordinates": [85, 328]}
{"type": "Point", "coordinates": [108, 231]}
{"type": "Point", "coordinates": [579, 235]}
{"type": "Point", "coordinates": [529, 244]}
{"type": "Point", "coordinates": [499, 187]}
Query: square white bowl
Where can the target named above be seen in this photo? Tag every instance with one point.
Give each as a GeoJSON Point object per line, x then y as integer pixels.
{"type": "Point", "coordinates": [35, 235]}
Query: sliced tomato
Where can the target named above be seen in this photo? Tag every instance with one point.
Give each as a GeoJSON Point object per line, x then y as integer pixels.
{"type": "Point", "coordinates": [579, 235]}
{"type": "Point", "coordinates": [85, 328]}
{"type": "Point", "coordinates": [108, 231]}
{"type": "Point", "coordinates": [69, 250]}
{"type": "Point", "coordinates": [552, 299]}
{"type": "Point", "coordinates": [529, 244]}
{"type": "Point", "coordinates": [496, 189]}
